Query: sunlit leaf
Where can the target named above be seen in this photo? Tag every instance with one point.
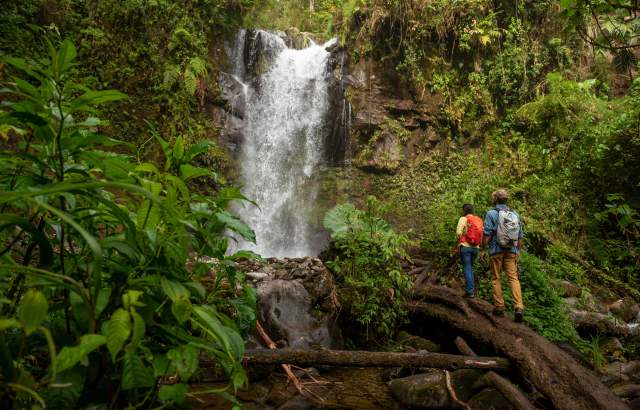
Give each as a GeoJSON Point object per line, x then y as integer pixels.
{"type": "Point", "coordinates": [32, 310]}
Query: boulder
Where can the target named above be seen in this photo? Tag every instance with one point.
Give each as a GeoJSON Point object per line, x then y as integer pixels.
{"type": "Point", "coordinates": [417, 342]}
{"type": "Point", "coordinates": [568, 289]}
{"type": "Point", "coordinates": [626, 309]}
{"type": "Point", "coordinates": [589, 303]}
{"type": "Point", "coordinates": [618, 372]}
{"type": "Point", "coordinates": [612, 346]}
{"type": "Point", "coordinates": [572, 301]}
{"type": "Point", "coordinates": [463, 382]}
{"type": "Point", "coordinates": [300, 403]}
{"type": "Point", "coordinates": [426, 390]}
{"type": "Point", "coordinates": [284, 307]}
{"type": "Point", "coordinates": [489, 399]}
{"type": "Point", "coordinates": [298, 39]}
{"type": "Point", "coordinates": [627, 391]}
{"type": "Point", "coordinates": [429, 390]}
{"type": "Point", "coordinates": [234, 93]}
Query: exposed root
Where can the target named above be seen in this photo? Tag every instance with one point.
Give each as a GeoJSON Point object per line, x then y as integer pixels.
{"type": "Point", "coordinates": [555, 373]}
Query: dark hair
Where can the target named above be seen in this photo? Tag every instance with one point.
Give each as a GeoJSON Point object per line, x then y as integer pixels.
{"type": "Point", "coordinates": [467, 209]}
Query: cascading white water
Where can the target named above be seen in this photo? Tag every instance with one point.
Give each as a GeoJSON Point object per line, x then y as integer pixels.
{"type": "Point", "coordinates": [285, 122]}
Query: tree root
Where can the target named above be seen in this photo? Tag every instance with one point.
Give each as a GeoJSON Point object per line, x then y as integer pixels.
{"type": "Point", "coordinates": [555, 373]}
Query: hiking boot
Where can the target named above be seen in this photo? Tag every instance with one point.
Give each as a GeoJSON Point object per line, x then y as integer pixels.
{"type": "Point", "coordinates": [469, 296]}
{"type": "Point", "coordinates": [498, 312]}
{"type": "Point", "coordinates": [518, 316]}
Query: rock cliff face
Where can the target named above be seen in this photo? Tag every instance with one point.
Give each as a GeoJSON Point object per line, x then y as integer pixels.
{"type": "Point", "coordinates": [389, 128]}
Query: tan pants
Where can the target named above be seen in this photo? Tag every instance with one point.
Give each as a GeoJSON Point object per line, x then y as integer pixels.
{"type": "Point", "coordinates": [507, 262]}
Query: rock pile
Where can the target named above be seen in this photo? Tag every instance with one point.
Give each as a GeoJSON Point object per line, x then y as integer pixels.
{"type": "Point", "coordinates": [297, 300]}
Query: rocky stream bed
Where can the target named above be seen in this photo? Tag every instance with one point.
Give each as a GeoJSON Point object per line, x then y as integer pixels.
{"type": "Point", "coordinates": [299, 309]}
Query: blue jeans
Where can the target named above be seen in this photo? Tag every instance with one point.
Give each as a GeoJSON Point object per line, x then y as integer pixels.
{"type": "Point", "coordinates": [467, 257]}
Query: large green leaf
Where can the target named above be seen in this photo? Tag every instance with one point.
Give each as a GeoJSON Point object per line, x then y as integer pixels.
{"type": "Point", "coordinates": [174, 290]}
{"type": "Point", "coordinates": [173, 393]}
{"type": "Point", "coordinates": [235, 224]}
{"type": "Point", "coordinates": [91, 98]}
{"type": "Point", "coordinates": [197, 149]}
{"type": "Point", "coordinates": [117, 331]}
{"type": "Point", "coordinates": [185, 359]}
{"type": "Point", "coordinates": [178, 150]}
{"type": "Point", "coordinates": [66, 55]}
{"type": "Point", "coordinates": [188, 172]}
{"type": "Point", "coordinates": [22, 65]}
{"type": "Point", "coordinates": [228, 194]}
{"type": "Point", "coordinates": [70, 356]}
{"type": "Point", "coordinates": [181, 309]}
{"type": "Point", "coordinates": [139, 329]}
{"type": "Point", "coordinates": [135, 374]}
{"type": "Point", "coordinates": [228, 338]}
{"type": "Point", "coordinates": [32, 310]}
{"type": "Point", "coordinates": [340, 219]}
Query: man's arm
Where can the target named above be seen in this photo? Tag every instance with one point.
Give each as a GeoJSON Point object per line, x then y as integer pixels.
{"type": "Point", "coordinates": [487, 230]}
{"type": "Point", "coordinates": [520, 234]}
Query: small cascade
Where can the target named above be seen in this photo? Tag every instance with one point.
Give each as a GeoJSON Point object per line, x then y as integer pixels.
{"type": "Point", "coordinates": [285, 101]}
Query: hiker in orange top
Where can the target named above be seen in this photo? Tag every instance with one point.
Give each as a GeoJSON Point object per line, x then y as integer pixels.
{"type": "Point", "coordinates": [469, 233]}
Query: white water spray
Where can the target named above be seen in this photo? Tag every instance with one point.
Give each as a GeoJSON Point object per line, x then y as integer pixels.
{"type": "Point", "coordinates": [282, 148]}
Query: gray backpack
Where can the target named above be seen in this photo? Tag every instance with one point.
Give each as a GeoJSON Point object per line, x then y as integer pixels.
{"type": "Point", "coordinates": [508, 228]}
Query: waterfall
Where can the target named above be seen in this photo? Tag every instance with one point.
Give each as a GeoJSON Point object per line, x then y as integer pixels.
{"type": "Point", "coordinates": [286, 121]}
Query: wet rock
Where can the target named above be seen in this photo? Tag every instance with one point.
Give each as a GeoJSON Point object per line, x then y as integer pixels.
{"type": "Point", "coordinates": [234, 93]}
{"type": "Point", "coordinates": [589, 303]}
{"type": "Point", "coordinates": [628, 391]}
{"type": "Point", "coordinates": [395, 373]}
{"type": "Point", "coordinates": [572, 301]}
{"type": "Point", "coordinates": [417, 342]}
{"type": "Point", "coordinates": [299, 403]}
{"type": "Point", "coordinates": [612, 346]}
{"type": "Point", "coordinates": [489, 399]}
{"type": "Point", "coordinates": [635, 404]}
{"type": "Point", "coordinates": [626, 309]}
{"type": "Point", "coordinates": [284, 308]}
{"type": "Point", "coordinates": [298, 39]}
{"type": "Point", "coordinates": [427, 390]}
{"type": "Point", "coordinates": [568, 289]}
{"type": "Point", "coordinates": [384, 153]}
{"type": "Point", "coordinates": [256, 276]}
{"type": "Point", "coordinates": [463, 382]}
{"type": "Point", "coordinates": [618, 372]}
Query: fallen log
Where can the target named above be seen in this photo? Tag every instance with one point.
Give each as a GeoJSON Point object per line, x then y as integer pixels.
{"type": "Point", "coordinates": [346, 358]}
{"type": "Point", "coordinates": [566, 383]}
{"type": "Point", "coordinates": [595, 322]}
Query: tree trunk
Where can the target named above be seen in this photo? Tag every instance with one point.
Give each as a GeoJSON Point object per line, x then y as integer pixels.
{"type": "Point", "coordinates": [554, 373]}
{"type": "Point", "coordinates": [346, 358]}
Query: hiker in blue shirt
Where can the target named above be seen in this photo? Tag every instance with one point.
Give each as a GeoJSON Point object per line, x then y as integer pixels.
{"type": "Point", "coordinates": [504, 258]}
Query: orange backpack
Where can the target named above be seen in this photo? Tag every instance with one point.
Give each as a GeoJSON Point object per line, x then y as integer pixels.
{"type": "Point", "coordinates": [474, 231]}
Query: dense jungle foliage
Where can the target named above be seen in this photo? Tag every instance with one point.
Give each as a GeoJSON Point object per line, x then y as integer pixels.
{"type": "Point", "coordinates": [114, 193]}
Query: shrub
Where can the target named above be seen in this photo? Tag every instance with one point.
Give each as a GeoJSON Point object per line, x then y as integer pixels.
{"type": "Point", "coordinates": [98, 303]}
{"type": "Point", "coordinates": [545, 311]}
{"type": "Point", "coordinates": [367, 265]}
